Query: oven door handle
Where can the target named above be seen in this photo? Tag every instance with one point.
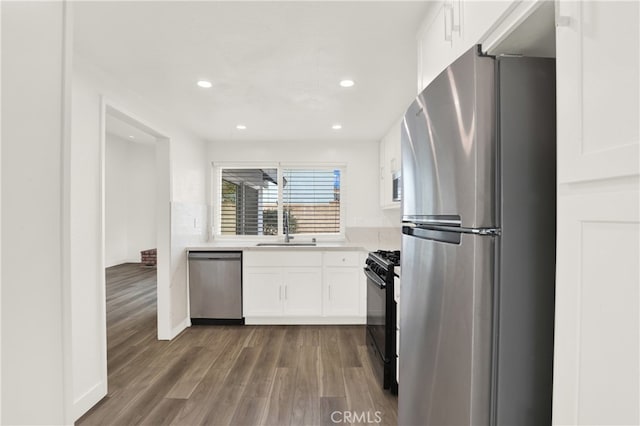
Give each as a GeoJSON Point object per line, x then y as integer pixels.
{"type": "Point", "coordinates": [373, 277]}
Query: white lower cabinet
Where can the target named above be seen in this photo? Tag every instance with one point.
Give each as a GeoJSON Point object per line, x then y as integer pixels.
{"type": "Point", "coordinates": [341, 291]}
{"type": "Point", "coordinates": [262, 292]}
{"type": "Point", "coordinates": [303, 288]}
{"type": "Point", "coordinates": [277, 291]}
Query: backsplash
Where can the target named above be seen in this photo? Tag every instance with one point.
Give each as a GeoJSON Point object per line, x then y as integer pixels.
{"type": "Point", "coordinates": [374, 238]}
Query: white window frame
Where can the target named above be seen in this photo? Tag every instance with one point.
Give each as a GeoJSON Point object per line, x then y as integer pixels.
{"type": "Point", "coordinates": [216, 214]}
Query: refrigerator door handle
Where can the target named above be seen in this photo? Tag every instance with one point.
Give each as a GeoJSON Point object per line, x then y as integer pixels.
{"type": "Point", "coordinates": [446, 228]}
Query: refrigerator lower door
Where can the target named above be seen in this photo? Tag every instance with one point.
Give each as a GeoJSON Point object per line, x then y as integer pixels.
{"type": "Point", "coordinates": [445, 329]}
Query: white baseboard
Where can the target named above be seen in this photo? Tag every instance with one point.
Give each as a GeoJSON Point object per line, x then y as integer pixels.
{"type": "Point", "coordinates": [180, 327]}
{"type": "Point", "coordinates": [344, 320]}
{"type": "Point", "coordinates": [111, 263]}
{"type": "Point", "coordinates": [90, 398]}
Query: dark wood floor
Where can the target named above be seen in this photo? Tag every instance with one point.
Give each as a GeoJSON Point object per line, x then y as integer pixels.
{"type": "Point", "coordinates": [230, 375]}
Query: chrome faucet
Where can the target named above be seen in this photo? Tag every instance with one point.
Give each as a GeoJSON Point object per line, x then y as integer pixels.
{"type": "Point", "coordinates": [287, 237]}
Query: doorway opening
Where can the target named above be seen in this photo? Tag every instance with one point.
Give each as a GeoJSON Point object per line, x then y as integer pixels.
{"type": "Point", "coordinates": [136, 207]}
{"type": "Point", "coordinates": [130, 195]}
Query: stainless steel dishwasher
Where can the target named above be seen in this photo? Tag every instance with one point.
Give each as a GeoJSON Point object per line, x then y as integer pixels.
{"type": "Point", "coordinates": [215, 287]}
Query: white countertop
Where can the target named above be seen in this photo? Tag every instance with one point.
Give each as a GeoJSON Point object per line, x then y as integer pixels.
{"type": "Point", "coordinates": [253, 247]}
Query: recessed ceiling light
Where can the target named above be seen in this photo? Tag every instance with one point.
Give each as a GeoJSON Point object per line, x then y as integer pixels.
{"type": "Point", "coordinates": [337, 126]}
{"type": "Point", "coordinates": [347, 83]}
{"type": "Point", "coordinates": [131, 137]}
{"type": "Point", "coordinates": [241, 127]}
{"type": "Point", "coordinates": [204, 84]}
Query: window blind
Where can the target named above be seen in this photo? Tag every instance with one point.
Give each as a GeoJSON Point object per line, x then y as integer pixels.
{"type": "Point", "coordinates": [311, 201]}
{"type": "Point", "coordinates": [249, 202]}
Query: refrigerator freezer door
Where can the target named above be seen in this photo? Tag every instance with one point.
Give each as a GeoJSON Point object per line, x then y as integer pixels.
{"type": "Point", "coordinates": [445, 330]}
{"type": "Point", "coordinates": [449, 143]}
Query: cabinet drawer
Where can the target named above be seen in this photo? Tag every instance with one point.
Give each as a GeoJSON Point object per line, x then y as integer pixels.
{"type": "Point", "coordinates": [342, 258]}
{"type": "Point", "coordinates": [282, 258]}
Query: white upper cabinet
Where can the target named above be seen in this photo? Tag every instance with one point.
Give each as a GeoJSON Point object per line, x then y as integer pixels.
{"type": "Point", "coordinates": [438, 41]}
{"type": "Point", "coordinates": [598, 70]}
{"type": "Point", "coordinates": [454, 26]}
{"type": "Point", "coordinates": [390, 164]}
{"type": "Point", "coordinates": [479, 18]}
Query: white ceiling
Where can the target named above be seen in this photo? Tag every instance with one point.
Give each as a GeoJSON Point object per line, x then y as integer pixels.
{"type": "Point", "coordinates": [275, 66]}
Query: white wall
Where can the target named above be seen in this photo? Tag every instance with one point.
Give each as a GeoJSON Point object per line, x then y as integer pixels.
{"type": "Point", "coordinates": [0, 223]}
{"type": "Point", "coordinates": [130, 198]}
{"type": "Point", "coordinates": [116, 197]}
{"type": "Point", "coordinates": [34, 230]}
{"type": "Point", "coordinates": [188, 219]}
{"type": "Point", "coordinates": [360, 183]}
{"type": "Point", "coordinates": [186, 191]}
{"type": "Point", "coordinates": [87, 274]}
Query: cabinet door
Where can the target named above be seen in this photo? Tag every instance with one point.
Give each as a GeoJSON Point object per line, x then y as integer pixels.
{"type": "Point", "coordinates": [439, 41]}
{"type": "Point", "coordinates": [597, 45]}
{"type": "Point", "coordinates": [390, 163]}
{"type": "Point", "coordinates": [480, 17]}
{"type": "Point", "coordinates": [302, 291]}
{"type": "Point", "coordinates": [393, 147]}
{"type": "Point", "coordinates": [597, 326]}
{"type": "Point", "coordinates": [262, 292]}
{"type": "Point", "coordinates": [342, 291]}
{"type": "Point", "coordinates": [385, 182]}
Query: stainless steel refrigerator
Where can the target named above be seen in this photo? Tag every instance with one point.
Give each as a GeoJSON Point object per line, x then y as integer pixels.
{"type": "Point", "coordinates": [478, 245]}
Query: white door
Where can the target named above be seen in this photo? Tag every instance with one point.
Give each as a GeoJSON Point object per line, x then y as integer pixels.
{"type": "Point", "coordinates": [342, 291]}
{"type": "Point", "coordinates": [435, 45]}
{"type": "Point", "coordinates": [303, 291]}
{"type": "Point", "coordinates": [596, 367]}
{"type": "Point", "coordinates": [262, 292]}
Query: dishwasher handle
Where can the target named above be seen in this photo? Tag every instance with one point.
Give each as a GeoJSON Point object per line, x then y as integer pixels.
{"type": "Point", "coordinates": [215, 255]}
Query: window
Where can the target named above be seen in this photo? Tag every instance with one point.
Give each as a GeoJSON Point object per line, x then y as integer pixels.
{"type": "Point", "coordinates": [279, 200]}
{"type": "Point", "coordinates": [249, 202]}
{"type": "Point", "coordinates": [311, 201]}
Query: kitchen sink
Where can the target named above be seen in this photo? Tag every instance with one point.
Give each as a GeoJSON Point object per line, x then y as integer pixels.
{"type": "Point", "coordinates": [286, 245]}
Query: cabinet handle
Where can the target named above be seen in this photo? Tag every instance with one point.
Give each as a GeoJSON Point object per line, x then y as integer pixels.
{"type": "Point", "coordinates": [285, 292]}
{"type": "Point", "coordinates": [448, 22]}
{"type": "Point", "coordinates": [455, 16]}
{"type": "Point", "coordinates": [329, 291]}
{"type": "Point", "coordinates": [562, 20]}
{"type": "Point", "coordinates": [279, 292]}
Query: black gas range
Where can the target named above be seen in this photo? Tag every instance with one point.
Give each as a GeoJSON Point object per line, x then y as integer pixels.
{"type": "Point", "coordinates": [381, 315]}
